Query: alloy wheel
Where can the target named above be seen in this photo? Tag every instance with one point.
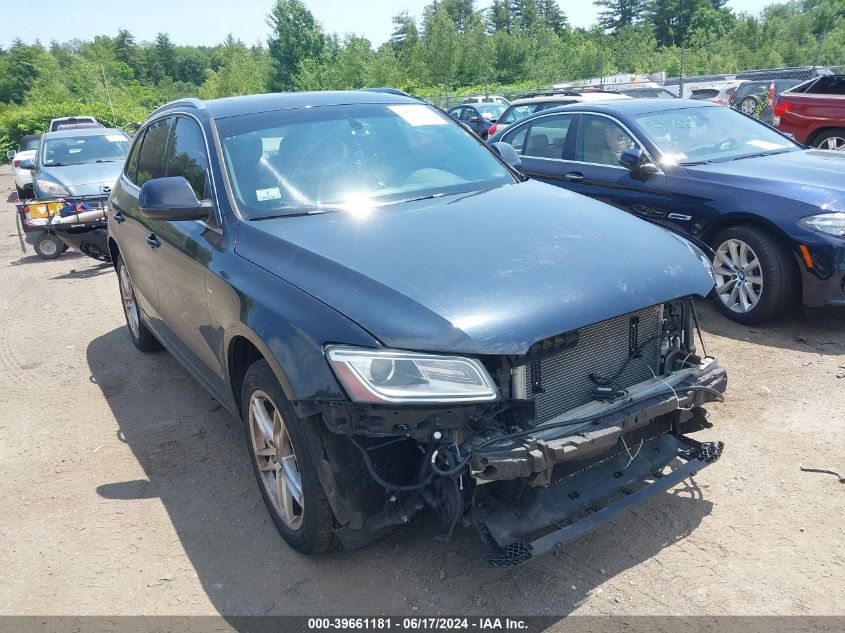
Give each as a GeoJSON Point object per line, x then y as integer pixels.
{"type": "Point", "coordinates": [130, 305]}
{"type": "Point", "coordinates": [276, 459]}
{"type": "Point", "coordinates": [739, 276]}
{"type": "Point", "coordinates": [48, 247]}
{"type": "Point", "coordinates": [836, 143]}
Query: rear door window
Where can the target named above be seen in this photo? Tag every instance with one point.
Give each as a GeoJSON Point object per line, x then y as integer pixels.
{"type": "Point", "coordinates": [828, 86]}
{"type": "Point", "coordinates": [547, 137]}
{"type": "Point", "coordinates": [152, 159]}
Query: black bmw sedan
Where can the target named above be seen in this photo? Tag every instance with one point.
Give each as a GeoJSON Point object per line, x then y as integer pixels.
{"type": "Point", "coordinates": [404, 323]}
{"type": "Point", "coordinates": [772, 211]}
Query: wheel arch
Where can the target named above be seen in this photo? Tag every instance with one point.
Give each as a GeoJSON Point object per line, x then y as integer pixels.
{"type": "Point", "coordinates": [114, 251]}
{"type": "Point", "coordinates": [242, 350]}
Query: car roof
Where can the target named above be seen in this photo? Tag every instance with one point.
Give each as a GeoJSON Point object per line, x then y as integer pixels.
{"type": "Point", "coordinates": [251, 104]}
{"type": "Point", "coordinates": [86, 131]}
{"type": "Point", "coordinates": [635, 107]}
{"type": "Point", "coordinates": [596, 95]}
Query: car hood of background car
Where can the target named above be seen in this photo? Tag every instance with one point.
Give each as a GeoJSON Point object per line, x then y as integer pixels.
{"type": "Point", "coordinates": [86, 179]}
{"type": "Point", "coordinates": [485, 273]}
{"type": "Point", "coordinates": [812, 176]}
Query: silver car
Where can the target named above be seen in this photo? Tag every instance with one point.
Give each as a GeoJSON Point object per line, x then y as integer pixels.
{"type": "Point", "coordinates": [77, 163]}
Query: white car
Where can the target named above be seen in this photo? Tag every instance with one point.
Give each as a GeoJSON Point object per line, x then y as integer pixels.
{"type": "Point", "coordinates": [68, 122]}
{"type": "Point", "coordinates": [486, 99]}
{"type": "Point", "coordinates": [23, 177]}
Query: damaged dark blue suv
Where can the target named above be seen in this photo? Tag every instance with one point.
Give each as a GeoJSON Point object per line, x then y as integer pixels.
{"type": "Point", "coordinates": [404, 323]}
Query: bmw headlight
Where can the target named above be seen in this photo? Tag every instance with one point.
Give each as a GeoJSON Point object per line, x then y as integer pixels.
{"type": "Point", "coordinates": [50, 188]}
{"type": "Point", "coordinates": [830, 223]}
{"type": "Point", "coordinates": [392, 376]}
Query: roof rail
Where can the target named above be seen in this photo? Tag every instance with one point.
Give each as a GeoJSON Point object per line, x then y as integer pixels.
{"type": "Point", "coordinates": [191, 102]}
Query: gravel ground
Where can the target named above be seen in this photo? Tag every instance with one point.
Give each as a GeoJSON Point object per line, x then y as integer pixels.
{"type": "Point", "coordinates": [126, 488]}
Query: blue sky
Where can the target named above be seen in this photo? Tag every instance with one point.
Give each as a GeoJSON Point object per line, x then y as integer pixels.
{"type": "Point", "coordinates": [209, 21]}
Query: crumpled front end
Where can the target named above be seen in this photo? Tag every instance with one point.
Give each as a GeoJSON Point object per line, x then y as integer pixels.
{"type": "Point", "coordinates": [588, 424]}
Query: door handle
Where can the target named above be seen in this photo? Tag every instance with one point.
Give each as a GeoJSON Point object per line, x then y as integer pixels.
{"type": "Point", "coordinates": [118, 216]}
{"type": "Point", "coordinates": [574, 176]}
{"type": "Point", "coordinates": [152, 240]}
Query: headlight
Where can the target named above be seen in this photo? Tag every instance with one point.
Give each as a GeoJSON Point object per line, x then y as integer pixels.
{"type": "Point", "coordinates": [381, 375]}
{"type": "Point", "coordinates": [50, 188]}
{"type": "Point", "coordinates": [830, 223]}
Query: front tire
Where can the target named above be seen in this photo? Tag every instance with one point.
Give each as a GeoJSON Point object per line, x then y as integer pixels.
{"type": "Point", "coordinates": [756, 277]}
{"type": "Point", "coordinates": [48, 246]}
{"type": "Point", "coordinates": [140, 334]}
{"type": "Point", "coordinates": [282, 463]}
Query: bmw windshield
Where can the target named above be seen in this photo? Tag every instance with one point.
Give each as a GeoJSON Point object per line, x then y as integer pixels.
{"type": "Point", "coordinates": [344, 157]}
{"type": "Point", "coordinates": [690, 136]}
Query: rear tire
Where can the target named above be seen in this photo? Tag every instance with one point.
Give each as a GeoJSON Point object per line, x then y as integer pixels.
{"type": "Point", "coordinates": [748, 106]}
{"type": "Point", "coordinates": [22, 195]}
{"type": "Point", "coordinates": [48, 246]}
{"type": "Point", "coordinates": [831, 139]}
{"type": "Point", "coordinates": [140, 334]}
{"type": "Point", "coordinates": [282, 463]}
{"type": "Point", "coordinates": [756, 275]}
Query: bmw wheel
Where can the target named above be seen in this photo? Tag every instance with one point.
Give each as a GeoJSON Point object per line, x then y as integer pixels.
{"type": "Point", "coordinates": [282, 463]}
{"type": "Point", "coordinates": [755, 276]}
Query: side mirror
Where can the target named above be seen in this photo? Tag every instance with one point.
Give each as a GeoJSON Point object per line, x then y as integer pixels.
{"type": "Point", "coordinates": [11, 154]}
{"type": "Point", "coordinates": [636, 161]}
{"type": "Point", "coordinates": [27, 163]}
{"type": "Point", "coordinates": [508, 154]}
{"type": "Point", "coordinates": [172, 199]}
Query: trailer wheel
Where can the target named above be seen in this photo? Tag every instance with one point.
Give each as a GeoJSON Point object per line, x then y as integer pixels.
{"type": "Point", "coordinates": [49, 246]}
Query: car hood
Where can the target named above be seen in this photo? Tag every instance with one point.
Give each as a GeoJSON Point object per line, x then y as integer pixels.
{"type": "Point", "coordinates": [813, 176]}
{"type": "Point", "coordinates": [84, 180]}
{"type": "Point", "coordinates": [484, 273]}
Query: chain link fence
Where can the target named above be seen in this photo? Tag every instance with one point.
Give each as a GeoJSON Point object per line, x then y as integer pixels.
{"type": "Point", "coordinates": [752, 91]}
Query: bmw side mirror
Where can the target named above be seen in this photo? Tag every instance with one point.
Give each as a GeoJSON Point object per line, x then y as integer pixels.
{"type": "Point", "coordinates": [27, 163]}
{"type": "Point", "coordinates": [508, 154]}
{"type": "Point", "coordinates": [172, 199]}
{"type": "Point", "coordinates": [11, 154]}
{"type": "Point", "coordinates": [636, 161]}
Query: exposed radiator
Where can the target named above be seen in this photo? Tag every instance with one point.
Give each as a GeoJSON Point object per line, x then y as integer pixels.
{"type": "Point", "coordinates": [563, 382]}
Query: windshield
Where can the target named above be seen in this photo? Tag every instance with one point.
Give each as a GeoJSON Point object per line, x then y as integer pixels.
{"type": "Point", "coordinates": [29, 144]}
{"type": "Point", "coordinates": [326, 158]}
{"type": "Point", "coordinates": [491, 111]}
{"type": "Point", "coordinates": [80, 150]}
{"type": "Point", "coordinates": [703, 135]}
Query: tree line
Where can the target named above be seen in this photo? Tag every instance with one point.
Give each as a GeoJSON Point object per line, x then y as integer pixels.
{"type": "Point", "coordinates": [454, 46]}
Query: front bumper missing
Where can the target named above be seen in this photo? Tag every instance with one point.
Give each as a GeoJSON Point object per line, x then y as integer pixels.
{"type": "Point", "coordinates": [589, 499]}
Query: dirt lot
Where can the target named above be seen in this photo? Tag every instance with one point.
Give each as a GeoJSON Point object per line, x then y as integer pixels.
{"type": "Point", "coordinates": [126, 489]}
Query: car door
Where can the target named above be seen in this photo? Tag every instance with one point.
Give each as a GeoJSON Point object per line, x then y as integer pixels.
{"type": "Point", "coordinates": [474, 120]}
{"type": "Point", "coordinates": [146, 161]}
{"type": "Point", "coordinates": [543, 143]}
{"type": "Point", "coordinates": [595, 170]}
{"type": "Point", "coordinates": [180, 253]}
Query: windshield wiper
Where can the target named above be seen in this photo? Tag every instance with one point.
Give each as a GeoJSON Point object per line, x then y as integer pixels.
{"type": "Point", "coordinates": [692, 163]}
{"type": "Point", "coordinates": [56, 165]}
{"type": "Point", "coordinates": [110, 160]}
{"type": "Point", "coordinates": [759, 154]}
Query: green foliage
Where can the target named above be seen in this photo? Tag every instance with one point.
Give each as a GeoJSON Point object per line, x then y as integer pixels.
{"type": "Point", "coordinates": [296, 37]}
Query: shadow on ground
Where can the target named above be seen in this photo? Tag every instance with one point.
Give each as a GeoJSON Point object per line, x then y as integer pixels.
{"type": "Point", "coordinates": [805, 330]}
{"type": "Point", "coordinates": [195, 461]}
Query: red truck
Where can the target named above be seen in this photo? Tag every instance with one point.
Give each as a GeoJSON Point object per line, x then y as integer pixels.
{"type": "Point", "coordinates": [814, 112]}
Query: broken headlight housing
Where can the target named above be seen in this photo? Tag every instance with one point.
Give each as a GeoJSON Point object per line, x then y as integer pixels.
{"type": "Point", "coordinates": [393, 376]}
